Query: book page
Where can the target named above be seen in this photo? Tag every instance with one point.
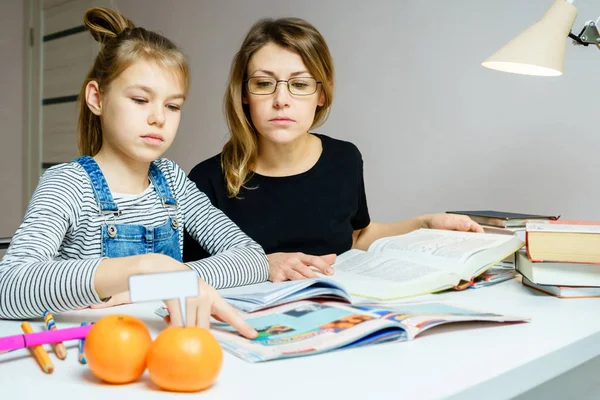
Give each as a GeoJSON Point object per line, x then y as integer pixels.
{"type": "Point", "coordinates": [381, 267]}
{"type": "Point", "coordinates": [379, 276]}
{"type": "Point", "coordinates": [440, 247]}
{"type": "Point", "coordinates": [418, 317]}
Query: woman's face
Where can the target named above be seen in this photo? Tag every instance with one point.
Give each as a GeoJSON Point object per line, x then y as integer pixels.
{"type": "Point", "coordinates": [281, 117]}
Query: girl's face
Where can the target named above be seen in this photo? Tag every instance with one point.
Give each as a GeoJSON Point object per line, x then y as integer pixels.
{"type": "Point", "coordinates": [280, 117]}
{"type": "Point", "coordinates": [140, 111]}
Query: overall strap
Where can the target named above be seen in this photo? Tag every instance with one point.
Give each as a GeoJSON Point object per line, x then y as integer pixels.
{"type": "Point", "coordinates": [101, 191]}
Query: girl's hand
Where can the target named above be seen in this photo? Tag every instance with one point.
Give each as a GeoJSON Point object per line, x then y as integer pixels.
{"type": "Point", "coordinates": [453, 222]}
{"type": "Point", "coordinates": [199, 310]}
{"type": "Point", "coordinates": [293, 266]}
{"type": "Point", "coordinates": [116, 300]}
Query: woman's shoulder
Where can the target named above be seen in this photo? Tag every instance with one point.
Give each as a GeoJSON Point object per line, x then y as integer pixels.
{"type": "Point", "coordinates": [173, 171]}
{"type": "Point", "coordinates": [338, 147]}
{"type": "Point", "coordinates": [209, 168]}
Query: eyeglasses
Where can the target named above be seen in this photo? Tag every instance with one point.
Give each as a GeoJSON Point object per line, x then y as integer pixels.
{"type": "Point", "coordinates": [301, 86]}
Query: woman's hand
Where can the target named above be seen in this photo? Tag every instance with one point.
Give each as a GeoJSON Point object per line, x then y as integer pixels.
{"type": "Point", "coordinates": [293, 266]}
{"type": "Point", "coordinates": [200, 308]}
{"type": "Point", "coordinates": [453, 222]}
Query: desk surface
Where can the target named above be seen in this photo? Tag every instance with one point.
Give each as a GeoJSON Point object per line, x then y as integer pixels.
{"type": "Point", "coordinates": [458, 361]}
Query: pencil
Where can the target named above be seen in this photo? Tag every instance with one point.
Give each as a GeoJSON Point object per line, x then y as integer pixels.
{"type": "Point", "coordinates": [38, 351]}
{"type": "Point", "coordinates": [59, 348]}
{"type": "Point", "coordinates": [82, 359]}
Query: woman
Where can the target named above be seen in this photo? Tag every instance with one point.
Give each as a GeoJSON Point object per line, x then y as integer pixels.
{"type": "Point", "coordinates": [299, 194]}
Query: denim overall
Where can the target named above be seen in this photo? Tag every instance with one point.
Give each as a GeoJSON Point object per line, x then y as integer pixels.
{"type": "Point", "coordinates": [122, 240]}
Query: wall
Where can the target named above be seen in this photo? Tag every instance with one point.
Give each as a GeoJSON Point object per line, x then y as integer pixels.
{"type": "Point", "coordinates": [12, 63]}
{"type": "Point", "coordinates": [437, 130]}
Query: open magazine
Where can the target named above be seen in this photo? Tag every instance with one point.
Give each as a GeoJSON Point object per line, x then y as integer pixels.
{"type": "Point", "coordinates": [310, 327]}
{"type": "Point", "coordinates": [256, 297]}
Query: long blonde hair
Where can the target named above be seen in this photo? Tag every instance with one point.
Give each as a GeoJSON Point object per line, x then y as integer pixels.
{"type": "Point", "coordinates": [240, 152]}
{"type": "Point", "coordinates": [122, 44]}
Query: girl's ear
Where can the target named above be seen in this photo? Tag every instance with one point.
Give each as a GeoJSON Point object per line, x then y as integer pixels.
{"type": "Point", "coordinates": [244, 99]}
{"type": "Point", "coordinates": [93, 98]}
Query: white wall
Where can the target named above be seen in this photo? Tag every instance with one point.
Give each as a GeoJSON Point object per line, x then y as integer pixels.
{"type": "Point", "coordinates": [12, 61]}
{"type": "Point", "coordinates": [437, 130]}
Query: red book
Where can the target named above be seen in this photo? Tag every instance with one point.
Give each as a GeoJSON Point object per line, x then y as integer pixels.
{"type": "Point", "coordinates": [563, 241]}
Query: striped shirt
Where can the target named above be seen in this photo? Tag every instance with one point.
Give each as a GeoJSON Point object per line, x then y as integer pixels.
{"type": "Point", "coordinates": [53, 256]}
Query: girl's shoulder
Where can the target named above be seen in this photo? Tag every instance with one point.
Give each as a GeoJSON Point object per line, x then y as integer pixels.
{"type": "Point", "coordinates": [168, 167]}
{"type": "Point", "coordinates": [66, 174]}
{"type": "Point", "coordinates": [173, 173]}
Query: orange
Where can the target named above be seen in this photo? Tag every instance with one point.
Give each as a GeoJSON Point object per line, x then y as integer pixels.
{"type": "Point", "coordinates": [116, 348]}
{"type": "Point", "coordinates": [185, 359]}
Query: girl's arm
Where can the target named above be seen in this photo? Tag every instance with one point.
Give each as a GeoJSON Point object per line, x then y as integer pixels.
{"type": "Point", "coordinates": [36, 276]}
{"type": "Point", "coordinates": [33, 277]}
{"type": "Point", "coordinates": [235, 258]}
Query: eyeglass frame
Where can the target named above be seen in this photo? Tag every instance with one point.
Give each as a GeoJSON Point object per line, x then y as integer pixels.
{"type": "Point", "coordinates": [278, 81]}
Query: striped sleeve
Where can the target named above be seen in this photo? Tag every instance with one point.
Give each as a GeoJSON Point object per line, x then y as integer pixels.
{"type": "Point", "coordinates": [32, 277]}
{"type": "Point", "coordinates": [235, 259]}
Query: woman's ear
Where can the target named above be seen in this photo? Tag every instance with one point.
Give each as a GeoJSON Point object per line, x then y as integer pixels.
{"type": "Point", "coordinates": [321, 102]}
{"type": "Point", "coordinates": [244, 99]}
{"type": "Point", "coordinates": [93, 98]}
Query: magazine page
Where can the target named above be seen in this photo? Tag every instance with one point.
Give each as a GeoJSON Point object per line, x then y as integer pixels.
{"type": "Point", "coordinates": [251, 298]}
{"type": "Point", "coordinates": [415, 318]}
{"type": "Point", "coordinates": [438, 247]}
{"type": "Point", "coordinates": [306, 328]}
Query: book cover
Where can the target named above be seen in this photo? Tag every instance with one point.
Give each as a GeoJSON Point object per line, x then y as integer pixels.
{"type": "Point", "coordinates": [564, 292]}
{"type": "Point", "coordinates": [502, 218]}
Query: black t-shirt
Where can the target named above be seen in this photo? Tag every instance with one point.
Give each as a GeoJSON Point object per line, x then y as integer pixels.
{"type": "Point", "coordinates": [314, 212]}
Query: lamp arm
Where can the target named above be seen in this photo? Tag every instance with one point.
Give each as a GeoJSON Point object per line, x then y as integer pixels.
{"type": "Point", "coordinates": [588, 35]}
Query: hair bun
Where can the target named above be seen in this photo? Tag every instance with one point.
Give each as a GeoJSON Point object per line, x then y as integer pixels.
{"type": "Point", "coordinates": [105, 24]}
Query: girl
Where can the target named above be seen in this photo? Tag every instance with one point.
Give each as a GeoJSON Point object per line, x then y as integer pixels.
{"type": "Point", "coordinates": [300, 195]}
{"type": "Point", "coordinates": [119, 210]}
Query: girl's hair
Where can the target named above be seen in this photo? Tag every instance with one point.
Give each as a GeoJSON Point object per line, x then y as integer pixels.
{"type": "Point", "coordinates": [122, 44]}
{"type": "Point", "coordinates": [240, 152]}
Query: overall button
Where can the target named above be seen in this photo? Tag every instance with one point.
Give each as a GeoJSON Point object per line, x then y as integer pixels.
{"type": "Point", "coordinates": [174, 223]}
{"type": "Point", "coordinates": [112, 231]}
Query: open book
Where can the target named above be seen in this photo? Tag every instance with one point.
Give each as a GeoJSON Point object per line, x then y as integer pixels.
{"type": "Point", "coordinates": [421, 262]}
{"type": "Point", "coordinates": [309, 327]}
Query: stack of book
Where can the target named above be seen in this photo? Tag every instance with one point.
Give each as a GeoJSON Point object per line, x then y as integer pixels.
{"type": "Point", "coordinates": [562, 258]}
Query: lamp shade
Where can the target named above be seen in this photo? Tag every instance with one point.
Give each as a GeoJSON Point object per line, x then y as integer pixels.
{"type": "Point", "coordinates": [539, 49]}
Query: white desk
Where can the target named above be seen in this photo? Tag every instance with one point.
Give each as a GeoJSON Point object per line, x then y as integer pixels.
{"type": "Point", "coordinates": [494, 361]}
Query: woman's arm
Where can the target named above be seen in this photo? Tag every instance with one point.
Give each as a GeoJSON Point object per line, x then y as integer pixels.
{"type": "Point", "coordinates": [363, 238]}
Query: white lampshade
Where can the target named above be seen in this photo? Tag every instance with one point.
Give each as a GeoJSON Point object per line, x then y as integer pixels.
{"type": "Point", "coordinates": [539, 49]}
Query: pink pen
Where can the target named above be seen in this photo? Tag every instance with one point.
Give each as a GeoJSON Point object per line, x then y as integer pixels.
{"type": "Point", "coordinates": [34, 339]}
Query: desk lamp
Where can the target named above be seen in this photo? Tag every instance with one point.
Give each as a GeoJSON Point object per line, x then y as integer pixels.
{"type": "Point", "coordinates": [540, 49]}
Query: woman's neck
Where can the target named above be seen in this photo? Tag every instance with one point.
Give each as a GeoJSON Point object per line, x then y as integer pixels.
{"type": "Point", "coordinates": [123, 175]}
{"type": "Point", "coordinates": [276, 159]}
